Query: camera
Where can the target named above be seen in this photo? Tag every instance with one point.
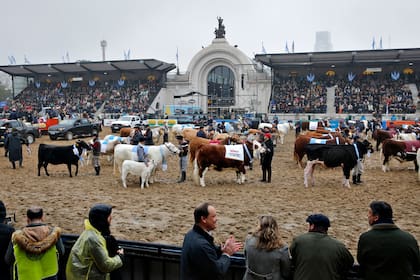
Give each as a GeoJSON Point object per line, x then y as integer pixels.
{"type": "Point", "coordinates": [10, 219]}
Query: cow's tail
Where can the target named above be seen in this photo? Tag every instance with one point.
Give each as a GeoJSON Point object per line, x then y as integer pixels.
{"type": "Point", "coordinates": [196, 177]}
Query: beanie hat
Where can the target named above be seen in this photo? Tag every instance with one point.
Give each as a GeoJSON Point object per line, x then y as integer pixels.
{"type": "Point", "coordinates": [98, 217]}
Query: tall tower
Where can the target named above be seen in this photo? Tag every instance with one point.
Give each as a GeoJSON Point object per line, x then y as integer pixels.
{"type": "Point", "coordinates": [103, 46]}
{"type": "Point", "coordinates": [323, 41]}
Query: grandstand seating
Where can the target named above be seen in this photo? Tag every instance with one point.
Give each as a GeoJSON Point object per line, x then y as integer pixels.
{"type": "Point", "coordinates": [133, 97]}
{"type": "Point", "coordinates": [364, 96]}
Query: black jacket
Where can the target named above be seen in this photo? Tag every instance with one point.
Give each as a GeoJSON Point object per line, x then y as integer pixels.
{"type": "Point", "coordinates": [201, 259]}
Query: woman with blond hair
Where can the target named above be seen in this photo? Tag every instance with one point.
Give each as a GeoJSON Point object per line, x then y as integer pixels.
{"type": "Point", "coordinates": [266, 255]}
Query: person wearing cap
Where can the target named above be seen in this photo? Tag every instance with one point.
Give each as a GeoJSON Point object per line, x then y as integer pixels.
{"type": "Point", "coordinates": [13, 144]}
{"type": "Point", "coordinates": [148, 136]}
{"type": "Point", "coordinates": [183, 146]}
{"type": "Point", "coordinates": [267, 158]}
{"type": "Point", "coordinates": [315, 255]}
{"type": "Point", "coordinates": [201, 133]}
{"type": "Point", "coordinates": [266, 254]}
{"type": "Point", "coordinates": [201, 259]}
{"type": "Point", "coordinates": [96, 151]}
{"type": "Point", "coordinates": [6, 232]}
{"type": "Point", "coordinates": [137, 137]}
{"type": "Point", "coordinates": [385, 251]}
{"type": "Point", "coordinates": [89, 257]}
{"type": "Point", "coordinates": [35, 249]}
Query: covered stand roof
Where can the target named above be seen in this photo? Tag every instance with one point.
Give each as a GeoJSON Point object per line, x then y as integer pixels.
{"type": "Point", "coordinates": [90, 70]}
{"type": "Point", "coordinates": [388, 60]}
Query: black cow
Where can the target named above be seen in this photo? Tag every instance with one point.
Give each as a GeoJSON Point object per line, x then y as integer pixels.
{"type": "Point", "coordinates": [334, 156]}
{"type": "Point", "coordinates": [61, 155]}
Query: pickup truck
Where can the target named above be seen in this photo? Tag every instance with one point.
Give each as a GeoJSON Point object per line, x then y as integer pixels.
{"type": "Point", "coordinates": [70, 128]}
{"type": "Point", "coordinates": [125, 121]}
{"type": "Point", "coordinates": [27, 132]}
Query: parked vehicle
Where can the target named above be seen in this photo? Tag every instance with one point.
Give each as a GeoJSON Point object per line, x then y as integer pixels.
{"type": "Point", "coordinates": [26, 131]}
{"type": "Point", "coordinates": [125, 121]}
{"type": "Point", "coordinates": [71, 128]}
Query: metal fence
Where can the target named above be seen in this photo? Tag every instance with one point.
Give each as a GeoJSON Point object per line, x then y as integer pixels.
{"type": "Point", "coordinates": [151, 261]}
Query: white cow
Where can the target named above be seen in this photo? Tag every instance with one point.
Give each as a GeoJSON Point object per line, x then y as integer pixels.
{"type": "Point", "coordinates": [283, 130]}
{"type": "Point", "coordinates": [158, 154]}
{"type": "Point", "coordinates": [138, 169]}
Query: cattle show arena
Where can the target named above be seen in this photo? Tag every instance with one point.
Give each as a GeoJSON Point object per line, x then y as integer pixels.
{"type": "Point", "coordinates": [162, 213]}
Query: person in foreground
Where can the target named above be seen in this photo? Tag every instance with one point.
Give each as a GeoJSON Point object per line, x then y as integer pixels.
{"type": "Point", "coordinates": [315, 255]}
{"type": "Point", "coordinates": [266, 255]}
{"type": "Point", "coordinates": [89, 257]}
{"type": "Point", "coordinates": [6, 232]}
{"type": "Point", "coordinates": [36, 249]}
{"type": "Point", "coordinates": [201, 259]}
{"type": "Point", "coordinates": [386, 252]}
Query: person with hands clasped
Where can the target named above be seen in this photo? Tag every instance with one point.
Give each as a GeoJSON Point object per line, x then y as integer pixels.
{"type": "Point", "coordinates": [201, 259]}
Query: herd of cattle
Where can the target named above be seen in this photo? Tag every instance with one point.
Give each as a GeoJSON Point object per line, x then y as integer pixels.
{"type": "Point", "coordinates": [316, 141]}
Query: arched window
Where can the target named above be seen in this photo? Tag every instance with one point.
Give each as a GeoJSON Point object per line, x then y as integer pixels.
{"type": "Point", "coordinates": [221, 87]}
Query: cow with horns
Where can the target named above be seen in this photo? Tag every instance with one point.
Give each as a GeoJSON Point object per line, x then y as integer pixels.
{"type": "Point", "coordinates": [345, 156]}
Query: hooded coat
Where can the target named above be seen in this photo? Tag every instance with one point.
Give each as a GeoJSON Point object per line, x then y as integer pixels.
{"type": "Point", "coordinates": [89, 257]}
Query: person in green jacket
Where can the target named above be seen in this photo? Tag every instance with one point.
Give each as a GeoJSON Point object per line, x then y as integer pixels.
{"type": "Point", "coordinates": [35, 249]}
{"type": "Point", "coordinates": [89, 258]}
{"type": "Point", "coordinates": [386, 252]}
{"type": "Point", "coordinates": [315, 255]}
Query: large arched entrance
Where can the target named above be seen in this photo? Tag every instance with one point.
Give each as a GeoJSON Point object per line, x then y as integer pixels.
{"type": "Point", "coordinates": [220, 90]}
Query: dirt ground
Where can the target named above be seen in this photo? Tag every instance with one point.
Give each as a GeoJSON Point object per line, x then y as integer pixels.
{"type": "Point", "coordinates": [162, 213]}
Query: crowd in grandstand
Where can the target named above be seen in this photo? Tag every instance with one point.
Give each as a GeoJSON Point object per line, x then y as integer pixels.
{"type": "Point", "coordinates": [134, 97]}
{"type": "Point", "coordinates": [298, 95]}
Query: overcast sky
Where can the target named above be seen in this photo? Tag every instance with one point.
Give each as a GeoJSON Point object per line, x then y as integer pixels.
{"type": "Point", "coordinates": [46, 30]}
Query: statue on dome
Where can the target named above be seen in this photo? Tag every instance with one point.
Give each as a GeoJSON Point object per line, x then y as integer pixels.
{"type": "Point", "coordinates": [220, 32]}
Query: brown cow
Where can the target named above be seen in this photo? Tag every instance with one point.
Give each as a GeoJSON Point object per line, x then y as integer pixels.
{"type": "Point", "coordinates": [380, 135]}
{"type": "Point", "coordinates": [303, 140]}
{"type": "Point", "coordinates": [126, 131]}
{"type": "Point", "coordinates": [208, 155]}
{"type": "Point", "coordinates": [321, 125]}
{"type": "Point", "coordinates": [401, 150]}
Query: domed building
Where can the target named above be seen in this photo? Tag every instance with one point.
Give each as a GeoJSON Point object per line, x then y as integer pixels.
{"type": "Point", "coordinates": [221, 80]}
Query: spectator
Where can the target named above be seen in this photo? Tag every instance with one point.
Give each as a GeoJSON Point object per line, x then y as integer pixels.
{"type": "Point", "coordinates": [266, 255]}
{"type": "Point", "coordinates": [201, 133]}
{"type": "Point", "coordinates": [183, 157]}
{"type": "Point", "coordinates": [13, 144]}
{"type": "Point", "coordinates": [315, 255]}
{"type": "Point", "coordinates": [96, 150]}
{"type": "Point", "coordinates": [386, 252]}
{"type": "Point", "coordinates": [36, 248]}
{"type": "Point", "coordinates": [6, 232]}
{"type": "Point", "coordinates": [266, 158]}
{"type": "Point", "coordinates": [201, 259]}
{"type": "Point", "coordinates": [89, 257]}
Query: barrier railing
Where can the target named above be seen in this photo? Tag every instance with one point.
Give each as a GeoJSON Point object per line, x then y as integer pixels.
{"type": "Point", "coordinates": [151, 261]}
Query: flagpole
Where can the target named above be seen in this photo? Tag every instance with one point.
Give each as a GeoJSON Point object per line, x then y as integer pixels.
{"type": "Point", "coordinates": [177, 62]}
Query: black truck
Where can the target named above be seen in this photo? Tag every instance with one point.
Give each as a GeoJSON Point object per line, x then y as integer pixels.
{"type": "Point", "coordinates": [70, 128]}
{"type": "Point", "coordinates": [27, 132]}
